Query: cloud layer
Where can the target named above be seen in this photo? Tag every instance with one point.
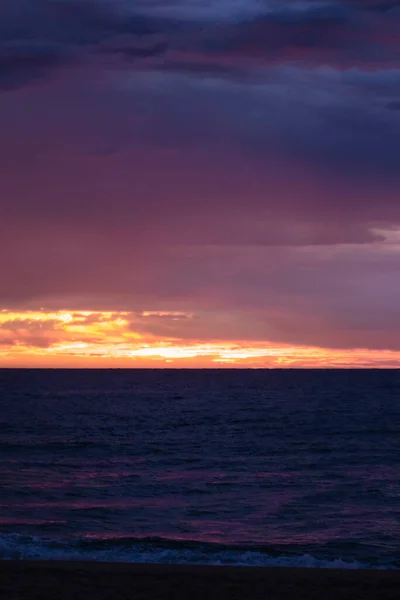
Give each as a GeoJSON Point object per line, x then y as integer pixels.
{"type": "Point", "coordinates": [212, 36]}
{"type": "Point", "coordinates": [236, 161]}
{"type": "Point", "coordinates": [123, 339]}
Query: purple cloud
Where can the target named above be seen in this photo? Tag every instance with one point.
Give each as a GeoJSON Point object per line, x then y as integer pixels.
{"type": "Point", "coordinates": [235, 160]}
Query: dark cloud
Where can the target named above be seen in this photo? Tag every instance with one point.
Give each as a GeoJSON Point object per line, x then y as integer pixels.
{"type": "Point", "coordinates": [337, 34]}
{"type": "Point", "coordinates": [374, 5]}
{"type": "Point", "coordinates": [35, 37]}
{"type": "Point", "coordinates": [23, 62]}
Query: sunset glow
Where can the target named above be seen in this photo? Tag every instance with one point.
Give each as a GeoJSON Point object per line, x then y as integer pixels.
{"type": "Point", "coordinates": [109, 339]}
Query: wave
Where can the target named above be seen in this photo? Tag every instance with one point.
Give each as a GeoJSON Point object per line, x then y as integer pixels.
{"type": "Point", "coordinates": [164, 551]}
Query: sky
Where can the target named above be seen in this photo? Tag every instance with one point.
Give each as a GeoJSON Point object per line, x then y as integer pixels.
{"type": "Point", "coordinates": [199, 183]}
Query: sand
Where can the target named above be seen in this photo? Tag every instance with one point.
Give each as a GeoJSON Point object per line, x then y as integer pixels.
{"type": "Point", "coordinates": [37, 580]}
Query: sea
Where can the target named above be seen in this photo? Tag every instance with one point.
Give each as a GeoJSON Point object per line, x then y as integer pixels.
{"type": "Point", "coordinates": [225, 467]}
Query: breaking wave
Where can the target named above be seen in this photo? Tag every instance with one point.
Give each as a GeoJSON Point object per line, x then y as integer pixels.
{"type": "Point", "coordinates": [165, 551]}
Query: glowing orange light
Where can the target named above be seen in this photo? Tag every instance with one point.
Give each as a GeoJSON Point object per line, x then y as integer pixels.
{"type": "Point", "coordinates": [108, 338]}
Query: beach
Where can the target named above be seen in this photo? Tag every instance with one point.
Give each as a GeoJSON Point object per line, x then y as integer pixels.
{"type": "Point", "coordinates": [56, 580]}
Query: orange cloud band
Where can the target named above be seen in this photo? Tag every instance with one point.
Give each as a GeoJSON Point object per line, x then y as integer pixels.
{"type": "Point", "coordinates": [109, 339]}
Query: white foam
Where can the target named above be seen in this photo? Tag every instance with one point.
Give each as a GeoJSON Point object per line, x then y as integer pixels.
{"type": "Point", "coordinates": [14, 546]}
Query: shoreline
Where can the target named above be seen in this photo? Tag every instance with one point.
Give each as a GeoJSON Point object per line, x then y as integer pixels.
{"type": "Point", "coordinates": [77, 580]}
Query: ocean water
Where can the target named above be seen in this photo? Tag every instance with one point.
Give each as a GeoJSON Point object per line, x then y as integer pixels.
{"type": "Point", "coordinates": [246, 467]}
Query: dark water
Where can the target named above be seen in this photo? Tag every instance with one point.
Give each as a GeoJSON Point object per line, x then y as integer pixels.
{"type": "Point", "coordinates": [243, 467]}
